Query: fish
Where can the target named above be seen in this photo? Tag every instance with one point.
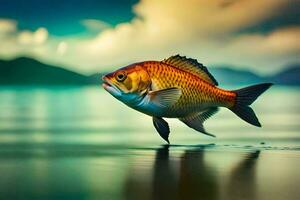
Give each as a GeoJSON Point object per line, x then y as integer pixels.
{"type": "Point", "coordinates": [182, 88]}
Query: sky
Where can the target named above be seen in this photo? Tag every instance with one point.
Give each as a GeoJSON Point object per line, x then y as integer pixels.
{"type": "Point", "coordinates": [91, 36]}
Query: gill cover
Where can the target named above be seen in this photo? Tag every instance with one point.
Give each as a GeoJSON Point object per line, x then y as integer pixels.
{"type": "Point", "coordinates": [132, 79]}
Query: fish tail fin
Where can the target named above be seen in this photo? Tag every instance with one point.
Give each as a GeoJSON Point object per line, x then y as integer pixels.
{"type": "Point", "coordinates": [244, 98]}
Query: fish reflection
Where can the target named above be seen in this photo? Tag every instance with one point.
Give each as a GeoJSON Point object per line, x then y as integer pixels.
{"type": "Point", "coordinates": [242, 181]}
{"type": "Point", "coordinates": [197, 180]}
{"type": "Point", "coordinates": [192, 177]}
{"type": "Point", "coordinates": [164, 177]}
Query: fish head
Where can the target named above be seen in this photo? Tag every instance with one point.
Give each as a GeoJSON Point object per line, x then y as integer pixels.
{"type": "Point", "coordinates": [127, 84]}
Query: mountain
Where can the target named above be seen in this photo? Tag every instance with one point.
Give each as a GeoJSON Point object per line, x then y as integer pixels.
{"type": "Point", "coordinates": [27, 71]}
{"type": "Point", "coordinates": [226, 75]}
{"type": "Point", "coordinates": [290, 76]}
{"type": "Point", "coordinates": [95, 78]}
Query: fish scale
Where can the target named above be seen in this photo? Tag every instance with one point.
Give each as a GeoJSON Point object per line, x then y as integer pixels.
{"type": "Point", "coordinates": [197, 94]}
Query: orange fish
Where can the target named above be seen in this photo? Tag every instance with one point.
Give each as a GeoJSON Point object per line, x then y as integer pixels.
{"type": "Point", "coordinates": [179, 87]}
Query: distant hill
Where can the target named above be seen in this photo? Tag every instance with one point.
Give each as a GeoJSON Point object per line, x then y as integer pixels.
{"type": "Point", "coordinates": [27, 71]}
{"type": "Point", "coordinates": [289, 76]}
{"type": "Point", "coordinates": [226, 75]}
{"type": "Point", "coordinates": [95, 78]}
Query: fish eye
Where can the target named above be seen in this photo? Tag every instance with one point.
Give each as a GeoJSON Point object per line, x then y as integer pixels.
{"type": "Point", "coordinates": [121, 76]}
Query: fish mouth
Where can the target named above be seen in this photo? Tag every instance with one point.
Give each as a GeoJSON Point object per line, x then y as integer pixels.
{"type": "Point", "coordinates": [106, 82]}
{"type": "Point", "coordinates": [109, 86]}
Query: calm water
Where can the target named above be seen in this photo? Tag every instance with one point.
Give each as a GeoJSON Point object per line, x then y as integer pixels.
{"type": "Point", "coordinates": [80, 143]}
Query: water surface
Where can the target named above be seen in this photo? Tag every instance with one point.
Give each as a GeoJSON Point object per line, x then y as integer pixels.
{"type": "Point", "coordinates": [80, 143]}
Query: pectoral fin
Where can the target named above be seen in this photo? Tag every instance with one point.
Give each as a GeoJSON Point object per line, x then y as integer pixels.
{"type": "Point", "coordinates": [166, 97]}
{"type": "Point", "coordinates": [196, 121]}
{"type": "Point", "coordinates": [162, 128]}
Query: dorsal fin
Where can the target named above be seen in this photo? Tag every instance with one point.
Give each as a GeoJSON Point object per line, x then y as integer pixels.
{"type": "Point", "coordinates": [192, 66]}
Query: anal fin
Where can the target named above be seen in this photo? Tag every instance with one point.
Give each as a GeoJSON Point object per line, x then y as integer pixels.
{"type": "Point", "coordinates": [162, 128]}
{"type": "Point", "coordinates": [196, 121]}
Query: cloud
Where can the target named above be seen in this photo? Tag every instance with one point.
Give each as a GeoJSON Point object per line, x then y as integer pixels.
{"type": "Point", "coordinates": [265, 53]}
{"type": "Point", "coordinates": [33, 38]}
{"type": "Point", "coordinates": [209, 30]}
{"type": "Point", "coordinates": [16, 43]}
{"type": "Point", "coordinates": [281, 41]}
{"type": "Point", "coordinates": [204, 29]}
{"type": "Point", "coordinates": [7, 26]}
{"type": "Point", "coordinates": [95, 25]}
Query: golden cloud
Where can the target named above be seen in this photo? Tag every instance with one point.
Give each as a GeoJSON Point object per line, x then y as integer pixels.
{"type": "Point", "coordinates": [209, 30]}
